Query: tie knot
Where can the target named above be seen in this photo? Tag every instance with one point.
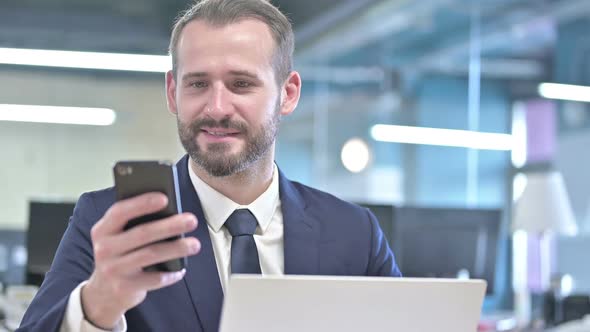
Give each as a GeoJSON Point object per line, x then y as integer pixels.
{"type": "Point", "coordinates": [241, 222]}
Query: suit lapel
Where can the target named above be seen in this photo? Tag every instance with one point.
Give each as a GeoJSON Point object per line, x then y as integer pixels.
{"type": "Point", "coordinates": [301, 232]}
{"type": "Point", "coordinates": [202, 278]}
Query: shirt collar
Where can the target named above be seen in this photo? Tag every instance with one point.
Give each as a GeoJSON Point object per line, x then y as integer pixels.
{"type": "Point", "coordinates": [217, 207]}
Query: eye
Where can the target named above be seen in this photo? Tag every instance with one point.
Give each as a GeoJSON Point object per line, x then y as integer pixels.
{"type": "Point", "coordinates": [242, 84]}
{"type": "Point", "coordinates": [198, 84]}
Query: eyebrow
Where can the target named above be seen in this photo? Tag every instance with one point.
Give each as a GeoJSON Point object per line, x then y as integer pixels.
{"type": "Point", "coordinates": [193, 75]}
{"type": "Point", "coordinates": [245, 73]}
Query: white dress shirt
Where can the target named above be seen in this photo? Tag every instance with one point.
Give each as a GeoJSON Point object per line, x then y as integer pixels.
{"type": "Point", "coordinates": [216, 208]}
{"type": "Point", "coordinates": [269, 233]}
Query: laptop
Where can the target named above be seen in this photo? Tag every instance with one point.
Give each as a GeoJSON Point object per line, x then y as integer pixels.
{"type": "Point", "coordinates": [347, 304]}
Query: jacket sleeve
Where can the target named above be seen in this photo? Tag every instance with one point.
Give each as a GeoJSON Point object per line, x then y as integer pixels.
{"type": "Point", "coordinates": [381, 260]}
{"type": "Point", "coordinates": [72, 264]}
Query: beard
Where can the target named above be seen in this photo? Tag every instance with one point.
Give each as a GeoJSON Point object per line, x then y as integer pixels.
{"type": "Point", "coordinates": [215, 158]}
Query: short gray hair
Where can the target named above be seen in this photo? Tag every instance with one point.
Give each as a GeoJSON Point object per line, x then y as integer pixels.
{"type": "Point", "coordinates": [223, 12]}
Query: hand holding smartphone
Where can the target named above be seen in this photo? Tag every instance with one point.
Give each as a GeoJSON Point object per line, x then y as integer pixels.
{"type": "Point", "coordinates": [133, 178]}
{"type": "Point", "coordinates": [138, 244]}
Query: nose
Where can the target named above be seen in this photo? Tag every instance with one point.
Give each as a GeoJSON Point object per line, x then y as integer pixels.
{"type": "Point", "coordinates": [218, 106]}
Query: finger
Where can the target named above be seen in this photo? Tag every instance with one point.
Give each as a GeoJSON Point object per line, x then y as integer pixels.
{"type": "Point", "coordinates": [155, 253]}
{"type": "Point", "coordinates": [155, 280]}
{"type": "Point", "coordinates": [120, 213]}
{"type": "Point", "coordinates": [142, 235]}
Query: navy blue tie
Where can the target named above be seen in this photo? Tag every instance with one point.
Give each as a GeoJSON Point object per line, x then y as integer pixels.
{"type": "Point", "coordinates": [244, 255]}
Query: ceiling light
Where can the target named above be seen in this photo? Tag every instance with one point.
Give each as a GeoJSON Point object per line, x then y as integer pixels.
{"type": "Point", "coordinates": [57, 114]}
{"type": "Point", "coordinates": [442, 137]}
{"type": "Point", "coordinates": [85, 60]}
{"type": "Point", "coordinates": [565, 92]}
{"type": "Point", "coordinates": [355, 155]}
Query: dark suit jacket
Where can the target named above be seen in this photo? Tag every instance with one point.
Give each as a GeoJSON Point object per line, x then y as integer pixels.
{"type": "Point", "coordinates": [322, 236]}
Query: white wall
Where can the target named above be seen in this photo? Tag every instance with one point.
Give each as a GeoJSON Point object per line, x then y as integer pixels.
{"type": "Point", "coordinates": [62, 161]}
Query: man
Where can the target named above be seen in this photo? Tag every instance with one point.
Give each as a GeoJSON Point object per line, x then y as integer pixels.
{"type": "Point", "coordinates": [230, 85]}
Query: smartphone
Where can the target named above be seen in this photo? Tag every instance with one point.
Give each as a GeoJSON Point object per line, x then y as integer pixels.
{"type": "Point", "coordinates": [134, 178]}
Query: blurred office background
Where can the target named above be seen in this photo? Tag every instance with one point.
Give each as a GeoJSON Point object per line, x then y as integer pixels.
{"type": "Point", "coordinates": [465, 65]}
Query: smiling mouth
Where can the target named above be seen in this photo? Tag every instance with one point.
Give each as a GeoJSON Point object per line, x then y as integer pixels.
{"type": "Point", "coordinates": [219, 133]}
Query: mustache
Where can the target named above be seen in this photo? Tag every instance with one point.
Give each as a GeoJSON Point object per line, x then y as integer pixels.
{"type": "Point", "coordinates": [223, 123]}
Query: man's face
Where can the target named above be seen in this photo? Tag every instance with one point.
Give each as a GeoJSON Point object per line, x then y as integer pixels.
{"type": "Point", "coordinates": [225, 95]}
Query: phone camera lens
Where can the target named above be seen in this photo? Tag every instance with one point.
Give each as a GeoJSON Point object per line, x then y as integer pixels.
{"type": "Point", "coordinates": [124, 170]}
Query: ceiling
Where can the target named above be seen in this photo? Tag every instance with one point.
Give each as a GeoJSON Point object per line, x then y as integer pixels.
{"type": "Point", "coordinates": [130, 26]}
{"type": "Point", "coordinates": [516, 36]}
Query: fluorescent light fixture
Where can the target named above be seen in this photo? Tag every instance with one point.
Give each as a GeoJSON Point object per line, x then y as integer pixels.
{"type": "Point", "coordinates": [85, 60]}
{"type": "Point", "coordinates": [519, 134]}
{"type": "Point", "coordinates": [442, 137]}
{"type": "Point", "coordinates": [57, 114]}
{"type": "Point", "coordinates": [565, 92]}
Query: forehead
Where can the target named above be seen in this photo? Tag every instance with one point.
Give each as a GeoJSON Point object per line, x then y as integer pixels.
{"type": "Point", "coordinates": [247, 43]}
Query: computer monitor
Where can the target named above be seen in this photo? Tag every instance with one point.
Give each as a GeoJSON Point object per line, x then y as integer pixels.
{"type": "Point", "coordinates": [384, 214]}
{"type": "Point", "coordinates": [47, 223]}
{"type": "Point", "coordinates": [13, 256]}
{"type": "Point", "coordinates": [442, 242]}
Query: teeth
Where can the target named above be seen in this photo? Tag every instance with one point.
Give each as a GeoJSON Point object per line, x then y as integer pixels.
{"type": "Point", "coordinates": [217, 134]}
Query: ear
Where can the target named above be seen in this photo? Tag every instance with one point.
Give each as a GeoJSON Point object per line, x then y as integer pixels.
{"type": "Point", "coordinates": [290, 93]}
{"type": "Point", "coordinates": [171, 92]}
